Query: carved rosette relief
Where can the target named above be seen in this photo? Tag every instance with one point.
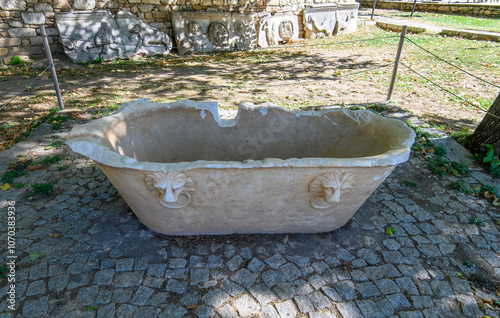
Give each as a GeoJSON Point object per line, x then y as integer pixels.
{"type": "Point", "coordinates": [286, 30]}
{"type": "Point", "coordinates": [218, 34]}
{"type": "Point", "coordinates": [172, 188]}
{"type": "Point", "coordinates": [328, 188]}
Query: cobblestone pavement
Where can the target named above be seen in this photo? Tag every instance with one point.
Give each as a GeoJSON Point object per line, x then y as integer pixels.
{"type": "Point", "coordinates": [97, 260]}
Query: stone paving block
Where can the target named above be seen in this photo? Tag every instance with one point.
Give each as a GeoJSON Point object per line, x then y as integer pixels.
{"type": "Point", "coordinates": [286, 309]}
{"type": "Point", "coordinates": [407, 286]}
{"type": "Point", "coordinates": [58, 283]}
{"type": "Point", "coordinates": [410, 314]}
{"type": "Point", "coordinates": [215, 298]}
{"type": "Point", "coordinates": [154, 282]}
{"type": "Point", "coordinates": [441, 289]}
{"type": "Point", "coordinates": [231, 288]}
{"type": "Point", "coordinates": [344, 255]}
{"type": "Point", "coordinates": [290, 272]}
{"type": "Point", "coordinates": [469, 306]}
{"type": "Point", "coordinates": [171, 311]}
{"type": "Point", "coordinates": [332, 261]}
{"type": "Point", "coordinates": [316, 281]}
{"type": "Point", "coordinates": [330, 276]}
{"type": "Point", "coordinates": [87, 295]}
{"type": "Point", "coordinates": [125, 310]}
{"type": "Point", "coordinates": [246, 253]}
{"type": "Point", "coordinates": [229, 251]}
{"type": "Point", "coordinates": [275, 261]}
{"type": "Point", "coordinates": [176, 286]}
{"type": "Point", "coordinates": [429, 250]}
{"type": "Point", "coordinates": [104, 277]}
{"type": "Point", "coordinates": [121, 295]}
{"type": "Point", "coordinates": [369, 308]}
{"type": "Point", "coordinates": [244, 277]}
{"type": "Point", "coordinates": [369, 256]}
{"type": "Point", "coordinates": [106, 311]}
{"type": "Point", "coordinates": [319, 300]}
{"type": "Point", "coordinates": [190, 298]}
{"type": "Point", "coordinates": [36, 288]}
{"type": "Point", "coordinates": [304, 304]}
{"type": "Point", "coordinates": [255, 265]}
{"type": "Point", "coordinates": [246, 306]}
{"type": "Point", "coordinates": [367, 289]}
{"type": "Point", "coordinates": [180, 273]}
{"type": "Point", "coordinates": [272, 277]}
{"type": "Point", "coordinates": [348, 309]}
{"type": "Point", "coordinates": [204, 312]}
{"type": "Point", "coordinates": [103, 296]}
{"type": "Point", "coordinates": [214, 262]}
{"type": "Point", "coordinates": [320, 267]}
{"type": "Point", "coordinates": [128, 279]}
{"type": "Point", "coordinates": [269, 312]}
{"type": "Point", "coordinates": [156, 270]}
{"type": "Point", "coordinates": [77, 281]}
{"type": "Point", "coordinates": [146, 311]}
{"type": "Point", "coordinates": [125, 264]}
{"type": "Point", "coordinates": [385, 307]}
{"type": "Point", "coordinates": [196, 261]}
{"type": "Point", "coordinates": [420, 302]}
{"type": "Point", "coordinates": [141, 296]}
{"type": "Point", "coordinates": [227, 311]}
{"type": "Point", "coordinates": [432, 313]}
{"type": "Point", "coordinates": [234, 263]}
{"type": "Point", "coordinates": [177, 263]}
{"type": "Point", "coordinates": [398, 301]}
{"type": "Point", "coordinates": [387, 286]}
{"type": "Point", "coordinates": [198, 275]}
{"type": "Point", "coordinates": [35, 307]}
{"type": "Point", "coordinates": [38, 271]}
{"type": "Point", "coordinates": [461, 286]}
{"type": "Point", "coordinates": [263, 294]}
{"type": "Point", "coordinates": [284, 291]}
{"type": "Point", "coordinates": [346, 290]}
{"type": "Point", "coordinates": [302, 287]}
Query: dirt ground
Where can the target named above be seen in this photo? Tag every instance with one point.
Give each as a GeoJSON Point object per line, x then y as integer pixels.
{"type": "Point", "coordinates": [297, 77]}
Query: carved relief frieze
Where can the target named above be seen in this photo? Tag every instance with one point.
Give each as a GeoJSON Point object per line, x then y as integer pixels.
{"type": "Point", "coordinates": [89, 35]}
{"type": "Point", "coordinates": [213, 31]}
{"type": "Point", "coordinates": [277, 29]}
{"type": "Point", "coordinates": [329, 188]}
{"type": "Point", "coordinates": [173, 189]}
{"type": "Point", "coordinates": [330, 20]}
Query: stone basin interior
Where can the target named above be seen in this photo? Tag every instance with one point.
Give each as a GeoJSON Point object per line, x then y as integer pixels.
{"type": "Point", "coordinates": [177, 135]}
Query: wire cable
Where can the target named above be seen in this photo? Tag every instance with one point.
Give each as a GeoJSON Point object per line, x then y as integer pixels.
{"type": "Point", "coordinates": [448, 91]}
{"type": "Point", "coordinates": [449, 63]}
{"type": "Point", "coordinates": [10, 101]}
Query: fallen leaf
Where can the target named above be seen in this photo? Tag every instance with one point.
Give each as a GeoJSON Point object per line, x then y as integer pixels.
{"type": "Point", "coordinates": [56, 235]}
{"type": "Point", "coordinates": [390, 231]}
{"type": "Point", "coordinates": [33, 256]}
{"type": "Point", "coordinates": [5, 187]}
{"type": "Point", "coordinates": [32, 168]}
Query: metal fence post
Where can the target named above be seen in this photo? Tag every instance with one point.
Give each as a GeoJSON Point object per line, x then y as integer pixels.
{"type": "Point", "coordinates": [373, 9]}
{"type": "Point", "coordinates": [413, 9]}
{"type": "Point", "coordinates": [396, 63]}
{"type": "Point", "coordinates": [52, 67]}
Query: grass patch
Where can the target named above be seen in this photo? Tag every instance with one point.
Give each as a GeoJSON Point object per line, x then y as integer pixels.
{"type": "Point", "coordinates": [45, 189]}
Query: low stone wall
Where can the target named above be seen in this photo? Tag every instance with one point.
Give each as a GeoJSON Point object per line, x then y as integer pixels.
{"type": "Point", "coordinates": [19, 37]}
{"type": "Point", "coordinates": [475, 9]}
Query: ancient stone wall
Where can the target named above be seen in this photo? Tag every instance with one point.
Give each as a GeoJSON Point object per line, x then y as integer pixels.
{"type": "Point", "coordinates": [475, 9]}
{"type": "Point", "coordinates": [19, 36]}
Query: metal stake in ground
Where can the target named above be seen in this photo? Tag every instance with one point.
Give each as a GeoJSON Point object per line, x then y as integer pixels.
{"type": "Point", "coordinates": [52, 68]}
{"type": "Point", "coordinates": [396, 63]}
{"type": "Point", "coordinates": [373, 9]}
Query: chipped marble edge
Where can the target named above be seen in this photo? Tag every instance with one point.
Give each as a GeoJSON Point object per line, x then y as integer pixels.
{"type": "Point", "coordinates": [88, 140]}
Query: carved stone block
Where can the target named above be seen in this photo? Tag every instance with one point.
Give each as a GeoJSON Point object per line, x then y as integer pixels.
{"type": "Point", "coordinates": [330, 20]}
{"type": "Point", "coordinates": [277, 29]}
{"type": "Point", "coordinates": [213, 31]}
{"type": "Point", "coordinates": [88, 35]}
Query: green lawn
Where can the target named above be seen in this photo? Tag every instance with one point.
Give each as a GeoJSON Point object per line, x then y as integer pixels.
{"type": "Point", "coordinates": [458, 21]}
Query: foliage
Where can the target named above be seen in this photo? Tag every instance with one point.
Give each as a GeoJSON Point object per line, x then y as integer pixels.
{"type": "Point", "coordinates": [476, 221]}
{"type": "Point", "coordinates": [488, 156]}
{"type": "Point", "coordinates": [54, 144]}
{"type": "Point", "coordinates": [441, 166]}
{"type": "Point", "coordinates": [98, 60]}
{"type": "Point", "coordinates": [42, 189]}
{"type": "Point", "coordinates": [50, 160]}
{"type": "Point", "coordinates": [391, 231]}
{"type": "Point", "coordinates": [9, 176]}
{"type": "Point", "coordinates": [3, 269]}
{"type": "Point", "coordinates": [16, 60]}
{"type": "Point", "coordinates": [410, 184]}
{"type": "Point", "coordinates": [461, 136]}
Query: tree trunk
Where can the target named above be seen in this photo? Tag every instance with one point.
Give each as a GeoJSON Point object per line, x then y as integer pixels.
{"type": "Point", "coordinates": [488, 131]}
